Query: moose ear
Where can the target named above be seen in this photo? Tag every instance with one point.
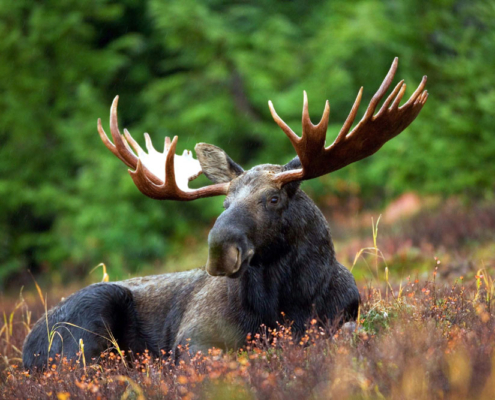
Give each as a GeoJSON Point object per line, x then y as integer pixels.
{"type": "Point", "coordinates": [217, 166]}
{"type": "Point", "coordinates": [292, 187]}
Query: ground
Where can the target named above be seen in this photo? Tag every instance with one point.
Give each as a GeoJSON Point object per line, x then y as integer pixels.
{"type": "Point", "coordinates": [426, 330]}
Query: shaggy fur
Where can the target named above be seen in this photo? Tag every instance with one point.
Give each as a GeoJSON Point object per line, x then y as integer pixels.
{"type": "Point", "coordinates": [293, 270]}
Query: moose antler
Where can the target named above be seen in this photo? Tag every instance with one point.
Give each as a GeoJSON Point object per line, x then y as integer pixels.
{"type": "Point", "coordinates": [371, 133]}
{"type": "Point", "coordinates": [154, 172]}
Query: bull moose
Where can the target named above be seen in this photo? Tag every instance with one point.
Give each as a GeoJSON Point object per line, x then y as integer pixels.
{"type": "Point", "coordinates": [270, 251]}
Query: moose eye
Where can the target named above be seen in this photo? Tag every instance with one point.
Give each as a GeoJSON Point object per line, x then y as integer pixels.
{"type": "Point", "coordinates": [274, 200]}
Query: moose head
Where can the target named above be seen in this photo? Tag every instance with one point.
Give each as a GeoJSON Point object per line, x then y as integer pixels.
{"type": "Point", "coordinates": [260, 200]}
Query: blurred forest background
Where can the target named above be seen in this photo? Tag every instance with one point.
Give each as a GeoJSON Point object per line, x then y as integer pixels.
{"type": "Point", "coordinates": [204, 70]}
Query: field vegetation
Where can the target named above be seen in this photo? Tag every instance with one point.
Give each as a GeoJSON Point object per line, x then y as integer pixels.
{"type": "Point", "coordinates": [426, 330]}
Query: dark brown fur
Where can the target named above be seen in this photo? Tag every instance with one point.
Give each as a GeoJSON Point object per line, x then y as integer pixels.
{"type": "Point", "coordinates": [268, 258]}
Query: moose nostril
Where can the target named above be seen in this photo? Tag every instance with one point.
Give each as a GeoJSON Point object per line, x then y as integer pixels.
{"type": "Point", "coordinates": [237, 263]}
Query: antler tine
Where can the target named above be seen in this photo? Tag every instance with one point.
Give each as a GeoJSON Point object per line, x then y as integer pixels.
{"type": "Point", "coordinates": [313, 136]}
{"type": "Point", "coordinates": [323, 124]}
{"type": "Point", "coordinates": [149, 144]}
{"type": "Point", "coordinates": [129, 158]}
{"type": "Point", "coordinates": [307, 125]}
{"type": "Point", "coordinates": [382, 89]}
{"type": "Point", "coordinates": [399, 97]}
{"type": "Point", "coordinates": [350, 119]}
{"type": "Point", "coordinates": [170, 165]}
{"type": "Point", "coordinates": [127, 146]}
{"type": "Point", "coordinates": [417, 92]}
{"type": "Point", "coordinates": [109, 145]}
{"type": "Point", "coordinates": [135, 145]}
{"type": "Point", "coordinates": [423, 98]}
{"type": "Point", "coordinates": [390, 98]}
{"type": "Point", "coordinates": [280, 122]}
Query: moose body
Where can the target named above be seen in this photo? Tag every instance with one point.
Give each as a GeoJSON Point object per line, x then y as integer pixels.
{"type": "Point", "coordinates": [296, 274]}
{"type": "Point", "coordinates": [270, 258]}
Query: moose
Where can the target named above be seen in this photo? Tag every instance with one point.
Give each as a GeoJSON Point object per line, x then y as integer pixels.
{"type": "Point", "coordinates": [269, 252]}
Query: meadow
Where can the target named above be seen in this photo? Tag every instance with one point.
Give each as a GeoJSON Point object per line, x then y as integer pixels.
{"type": "Point", "coordinates": [426, 330]}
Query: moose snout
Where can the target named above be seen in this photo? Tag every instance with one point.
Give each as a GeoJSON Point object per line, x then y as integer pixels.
{"type": "Point", "coordinates": [228, 253]}
{"type": "Point", "coordinates": [224, 259]}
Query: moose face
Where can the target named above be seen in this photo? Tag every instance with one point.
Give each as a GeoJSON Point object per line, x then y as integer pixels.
{"type": "Point", "coordinates": [254, 208]}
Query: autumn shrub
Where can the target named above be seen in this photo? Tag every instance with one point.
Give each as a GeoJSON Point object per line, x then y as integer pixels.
{"type": "Point", "coordinates": [417, 339]}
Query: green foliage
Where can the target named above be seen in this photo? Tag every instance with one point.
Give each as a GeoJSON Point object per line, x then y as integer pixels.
{"type": "Point", "coordinates": [205, 70]}
{"type": "Point", "coordinates": [374, 321]}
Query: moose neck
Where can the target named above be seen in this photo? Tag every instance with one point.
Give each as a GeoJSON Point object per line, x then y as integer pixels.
{"type": "Point", "coordinates": [287, 275]}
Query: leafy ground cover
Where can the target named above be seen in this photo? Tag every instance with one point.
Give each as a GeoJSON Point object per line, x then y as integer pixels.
{"type": "Point", "coordinates": [419, 338]}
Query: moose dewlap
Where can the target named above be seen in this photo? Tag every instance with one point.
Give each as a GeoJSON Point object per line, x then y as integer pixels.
{"type": "Point", "coordinates": [270, 251]}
